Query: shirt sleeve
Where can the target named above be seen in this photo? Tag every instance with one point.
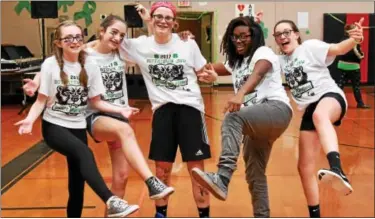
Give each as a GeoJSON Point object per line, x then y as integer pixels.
{"type": "Point", "coordinates": [265, 53]}
{"type": "Point", "coordinates": [95, 81]}
{"type": "Point", "coordinates": [128, 47]}
{"type": "Point", "coordinates": [227, 67]}
{"type": "Point", "coordinates": [319, 52]}
{"type": "Point", "coordinates": [199, 60]}
{"type": "Point", "coordinates": [46, 78]}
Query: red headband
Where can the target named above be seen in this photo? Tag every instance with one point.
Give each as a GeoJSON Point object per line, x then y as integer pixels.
{"type": "Point", "coordinates": [164, 4]}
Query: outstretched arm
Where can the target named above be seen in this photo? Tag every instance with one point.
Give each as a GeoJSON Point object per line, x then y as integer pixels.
{"type": "Point", "coordinates": [220, 69]}
{"type": "Point", "coordinates": [26, 125]}
{"type": "Point", "coordinates": [355, 37]}
{"type": "Point", "coordinates": [31, 85]}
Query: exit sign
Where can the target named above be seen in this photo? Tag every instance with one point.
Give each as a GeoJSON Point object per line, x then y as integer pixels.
{"type": "Point", "coordinates": [182, 4]}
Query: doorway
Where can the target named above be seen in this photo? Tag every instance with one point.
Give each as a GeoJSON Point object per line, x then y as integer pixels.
{"type": "Point", "coordinates": [200, 24]}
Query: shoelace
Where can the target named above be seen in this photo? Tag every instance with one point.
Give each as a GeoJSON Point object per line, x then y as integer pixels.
{"type": "Point", "coordinates": [120, 204]}
{"type": "Point", "coordinates": [214, 177]}
{"type": "Point", "coordinates": [159, 186]}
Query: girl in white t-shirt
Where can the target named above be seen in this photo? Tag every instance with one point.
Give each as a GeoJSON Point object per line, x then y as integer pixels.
{"type": "Point", "coordinates": [323, 102]}
{"type": "Point", "coordinates": [112, 128]}
{"type": "Point", "coordinates": [168, 66]}
{"type": "Point", "coordinates": [68, 82]}
{"type": "Point", "coordinates": [259, 112]}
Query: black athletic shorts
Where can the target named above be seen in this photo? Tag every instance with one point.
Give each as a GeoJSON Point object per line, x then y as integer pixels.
{"type": "Point", "coordinates": [307, 120]}
{"type": "Point", "coordinates": [176, 125]}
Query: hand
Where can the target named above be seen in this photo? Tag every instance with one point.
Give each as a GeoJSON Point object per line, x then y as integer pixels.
{"type": "Point", "coordinates": [30, 87]}
{"type": "Point", "coordinates": [185, 35]}
{"type": "Point", "coordinates": [128, 112]}
{"type": "Point", "coordinates": [258, 17]}
{"type": "Point", "coordinates": [357, 33]}
{"type": "Point", "coordinates": [234, 103]}
{"type": "Point", "coordinates": [26, 126]}
{"type": "Point", "coordinates": [208, 75]}
{"type": "Point", "coordinates": [143, 12]}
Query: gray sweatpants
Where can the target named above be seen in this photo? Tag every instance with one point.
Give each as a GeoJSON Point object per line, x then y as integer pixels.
{"type": "Point", "coordinates": [260, 125]}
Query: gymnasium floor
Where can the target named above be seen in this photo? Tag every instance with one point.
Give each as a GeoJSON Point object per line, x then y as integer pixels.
{"type": "Point", "coordinates": [34, 179]}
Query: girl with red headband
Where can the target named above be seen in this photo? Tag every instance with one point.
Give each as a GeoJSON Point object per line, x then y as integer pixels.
{"type": "Point", "coordinates": [170, 67]}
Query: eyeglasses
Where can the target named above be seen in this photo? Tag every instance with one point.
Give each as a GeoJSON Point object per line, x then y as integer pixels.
{"type": "Point", "coordinates": [242, 37]}
{"type": "Point", "coordinates": [285, 33]}
{"type": "Point", "coordinates": [70, 39]}
{"type": "Point", "coordinates": [159, 17]}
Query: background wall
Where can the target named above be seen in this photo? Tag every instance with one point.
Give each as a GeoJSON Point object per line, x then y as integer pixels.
{"type": "Point", "coordinates": [22, 30]}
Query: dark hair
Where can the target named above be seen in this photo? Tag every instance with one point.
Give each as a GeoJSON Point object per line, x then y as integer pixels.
{"type": "Point", "coordinates": [227, 46]}
{"type": "Point", "coordinates": [292, 25]}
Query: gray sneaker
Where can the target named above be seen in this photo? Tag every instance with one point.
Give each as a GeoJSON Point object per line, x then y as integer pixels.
{"type": "Point", "coordinates": [116, 207]}
{"type": "Point", "coordinates": [212, 182]}
{"type": "Point", "coordinates": [157, 189]}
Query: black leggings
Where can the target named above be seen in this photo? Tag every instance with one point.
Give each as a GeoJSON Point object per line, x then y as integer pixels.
{"type": "Point", "coordinates": [355, 77]}
{"type": "Point", "coordinates": [72, 143]}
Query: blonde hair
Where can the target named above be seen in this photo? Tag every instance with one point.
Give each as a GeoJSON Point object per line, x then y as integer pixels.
{"type": "Point", "coordinates": [58, 52]}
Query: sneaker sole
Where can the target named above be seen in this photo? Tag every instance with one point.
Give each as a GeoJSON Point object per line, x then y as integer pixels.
{"type": "Point", "coordinates": [129, 211]}
{"type": "Point", "coordinates": [167, 192]}
{"type": "Point", "coordinates": [336, 181]}
{"type": "Point", "coordinates": [204, 181]}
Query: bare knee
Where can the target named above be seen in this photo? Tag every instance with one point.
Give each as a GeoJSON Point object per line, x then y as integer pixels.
{"type": "Point", "coordinates": [125, 131]}
{"type": "Point", "coordinates": [319, 117]}
{"type": "Point", "coordinates": [306, 168]}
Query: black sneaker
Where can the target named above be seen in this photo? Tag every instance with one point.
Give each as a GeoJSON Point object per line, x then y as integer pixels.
{"type": "Point", "coordinates": [212, 182]}
{"type": "Point", "coordinates": [337, 178]}
{"type": "Point", "coordinates": [157, 189]}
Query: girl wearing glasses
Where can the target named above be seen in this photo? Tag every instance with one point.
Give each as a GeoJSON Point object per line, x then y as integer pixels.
{"type": "Point", "coordinates": [323, 102]}
{"type": "Point", "coordinates": [169, 67]}
{"type": "Point", "coordinates": [67, 83]}
{"type": "Point", "coordinates": [114, 128]}
{"type": "Point", "coordinates": [259, 112]}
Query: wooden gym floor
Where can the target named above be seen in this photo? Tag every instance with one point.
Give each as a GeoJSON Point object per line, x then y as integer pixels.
{"type": "Point", "coordinates": [34, 179]}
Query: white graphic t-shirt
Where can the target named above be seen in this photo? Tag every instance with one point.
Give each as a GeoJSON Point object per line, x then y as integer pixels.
{"type": "Point", "coordinates": [112, 70]}
{"type": "Point", "coordinates": [269, 88]}
{"type": "Point", "coordinates": [307, 74]}
{"type": "Point", "coordinates": [66, 105]}
{"type": "Point", "coordinates": [168, 69]}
